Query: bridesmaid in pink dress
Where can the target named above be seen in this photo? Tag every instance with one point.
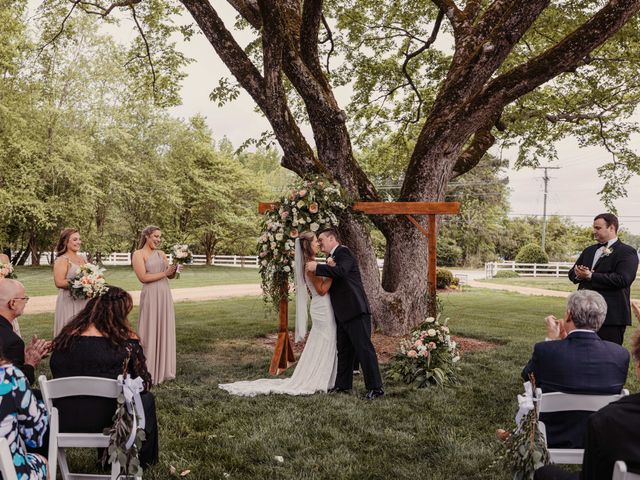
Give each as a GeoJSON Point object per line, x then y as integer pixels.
{"type": "Point", "coordinates": [66, 266]}
{"type": "Point", "coordinates": [156, 323]}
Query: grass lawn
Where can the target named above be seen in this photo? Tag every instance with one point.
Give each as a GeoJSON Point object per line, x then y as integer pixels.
{"type": "Point", "coordinates": [39, 280]}
{"type": "Point", "coordinates": [552, 283]}
{"type": "Point", "coordinates": [435, 433]}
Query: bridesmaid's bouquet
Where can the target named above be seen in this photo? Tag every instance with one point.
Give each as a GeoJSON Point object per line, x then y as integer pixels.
{"type": "Point", "coordinates": [89, 282]}
{"type": "Point", "coordinates": [181, 256]}
{"type": "Point", "coordinates": [6, 270]}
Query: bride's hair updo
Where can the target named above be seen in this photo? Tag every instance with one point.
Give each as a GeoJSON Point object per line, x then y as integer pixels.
{"type": "Point", "coordinates": [305, 243]}
{"type": "Point", "coordinates": [145, 234]}
{"type": "Point", "coordinates": [65, 235]}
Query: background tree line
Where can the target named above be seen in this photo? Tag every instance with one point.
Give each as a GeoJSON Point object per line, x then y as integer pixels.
{"type": "Point", "coordinates": [82, 146]}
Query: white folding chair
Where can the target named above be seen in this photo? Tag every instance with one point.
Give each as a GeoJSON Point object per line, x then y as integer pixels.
{"type": "Point", "coordinates": [71, 387]}
{"type": "Point", "coordinates": [620, 472]}
{"type": "Point", "coordinates": [566, 402]}
{"type": "Point", "coordinates": [7, 468]}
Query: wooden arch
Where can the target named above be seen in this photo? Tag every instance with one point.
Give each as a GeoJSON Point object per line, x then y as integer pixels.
{"type": "Point", "coordinates": [283, 356]}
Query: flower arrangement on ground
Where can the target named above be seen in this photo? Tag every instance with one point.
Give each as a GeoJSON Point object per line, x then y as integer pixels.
{"type": "Point", "coordinates": [312, 204]}
{"type": "Point", "coordinates": [89, 282]}
{"type": "Point", "coordinates": [6, 270]}
{"type": "Point", "coordinates": [429, 357]}
{"type": "Point", "coordinates": [181, 256]}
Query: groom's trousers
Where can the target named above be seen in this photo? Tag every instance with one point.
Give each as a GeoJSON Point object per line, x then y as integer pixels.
{"type": "Point", "coordinates": [354, 341]}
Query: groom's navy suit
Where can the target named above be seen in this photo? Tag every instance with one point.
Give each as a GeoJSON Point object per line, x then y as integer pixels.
{"type": "Point", "coordinates": [353, 318]}
{"type": "Point", "coordinates": [612, 277]}
{"type": "Point", "coordinates": [581, 363]}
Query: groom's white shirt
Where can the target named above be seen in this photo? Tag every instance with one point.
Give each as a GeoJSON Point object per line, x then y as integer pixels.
{"type": "Point", "coordinates": [600, 251]}
{"type": "Point", "coordinates": [333, 250]}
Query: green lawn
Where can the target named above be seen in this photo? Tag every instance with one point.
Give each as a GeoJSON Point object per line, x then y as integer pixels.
{"type": "Point", "coordinates": [39, 280]}
{"type": "Point", "coordinates": [552, 283]}
{"type": "Point", "coordinates": [436, 433]}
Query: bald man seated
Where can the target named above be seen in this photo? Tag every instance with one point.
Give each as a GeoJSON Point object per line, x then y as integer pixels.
{"type": "Point", "coordinates": [13, 299]}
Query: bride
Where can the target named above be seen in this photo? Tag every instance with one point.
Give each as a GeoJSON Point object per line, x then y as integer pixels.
{"type": "Point", "coordinates": [316, 368]}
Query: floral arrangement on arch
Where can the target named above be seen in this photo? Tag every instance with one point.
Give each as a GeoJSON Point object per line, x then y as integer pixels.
{"type": "Point", "coordinates": [312, 204]}
{"type": "Point", "coordinates": [429, 357]}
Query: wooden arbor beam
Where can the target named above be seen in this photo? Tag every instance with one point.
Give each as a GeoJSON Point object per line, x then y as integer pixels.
{"type": "Point", "coordinates": [283, 354]}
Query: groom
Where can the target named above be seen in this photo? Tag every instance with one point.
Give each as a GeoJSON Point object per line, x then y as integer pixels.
{"type": "Point", "coordinates": [352, 314]}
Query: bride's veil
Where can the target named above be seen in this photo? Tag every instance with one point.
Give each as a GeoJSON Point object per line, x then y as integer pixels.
{"type": "Point", "coordinates": [302, 295]}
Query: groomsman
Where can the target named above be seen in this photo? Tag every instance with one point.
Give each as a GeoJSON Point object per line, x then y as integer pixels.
{"type": "Point", "coordinates": [609, 267]}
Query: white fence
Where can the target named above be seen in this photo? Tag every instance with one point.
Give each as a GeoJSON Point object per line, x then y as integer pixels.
{"type": "Point", "coordinates": [121, 258]}
{"type": "Point", "coordinates": [553, 269]}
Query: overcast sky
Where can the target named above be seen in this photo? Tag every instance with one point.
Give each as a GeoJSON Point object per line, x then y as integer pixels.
{"type": "Point", "coordinates": [573, 189]}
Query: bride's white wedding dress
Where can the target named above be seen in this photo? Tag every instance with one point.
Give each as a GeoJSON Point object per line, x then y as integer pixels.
{"type": "Point", "coordinates": [316, 368]}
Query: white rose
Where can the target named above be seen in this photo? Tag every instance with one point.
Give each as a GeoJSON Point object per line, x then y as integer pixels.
{"type": "Point", "coordinates": [431, 332]}
{"type": "Point", "coordinates": [264, 263]}
{"type": "Point", "coordinates": [279, 237]}
{"type": "Point", "coordinates": [430, 320]}
{"type": "Point", "coordinates": [301, 221]}
{"type": "Point", "coordinates": [300, 204]}
{"type": "Point", "coordinates": [273, 245]}
{"type": "Point", "coordinates": [314, 227]}
{"type": "Point", "coordinates": [287, 269]}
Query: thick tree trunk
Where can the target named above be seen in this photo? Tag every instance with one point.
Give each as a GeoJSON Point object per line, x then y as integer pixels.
{"type": "Point", "coordinates": [33, 249]}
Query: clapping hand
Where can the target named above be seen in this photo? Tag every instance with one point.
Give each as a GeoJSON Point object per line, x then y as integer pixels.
{"type": "Point", "coordinates": [555, 328]}
{"type": "Point", "coordinates": [36, 351]}
{"type": "Point", "coordinates": [582, 272]}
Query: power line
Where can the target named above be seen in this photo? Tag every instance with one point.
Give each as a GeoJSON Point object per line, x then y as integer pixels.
{"type": "Point", "coordinates": [546, 179]}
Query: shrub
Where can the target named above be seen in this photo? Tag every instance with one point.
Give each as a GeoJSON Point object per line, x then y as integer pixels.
{"type": "Point", "coordinates": [532, 253]}
{"type": "Point", "coordinates": [448, 253]}
{"type": "Point", "coordinates": [506, 274]}
{"type": "Point", "coordinates": [444, 278]}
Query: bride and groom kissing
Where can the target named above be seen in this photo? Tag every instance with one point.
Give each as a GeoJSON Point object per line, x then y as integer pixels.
{"type": "Point", "coordinates": [341, 325]}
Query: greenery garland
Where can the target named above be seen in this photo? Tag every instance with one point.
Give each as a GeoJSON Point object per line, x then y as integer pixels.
{"type": "Point", "coordinates": [311, 204]}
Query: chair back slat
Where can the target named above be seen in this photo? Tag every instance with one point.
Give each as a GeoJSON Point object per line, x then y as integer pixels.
{"type": "Point", "coordinates": [620, 472]}
{"type": "Point", "coordinates": [7, 468]}
{"type": "Point", "coordinates": [566, 402]}
{"type": "Point", "coordinates": [74, 386]}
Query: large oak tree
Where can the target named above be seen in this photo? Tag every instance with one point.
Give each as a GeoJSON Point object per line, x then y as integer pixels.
{"type": "Point", "coordinates": [444, 80]}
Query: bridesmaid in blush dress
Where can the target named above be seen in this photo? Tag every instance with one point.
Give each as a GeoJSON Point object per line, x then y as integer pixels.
{"type": "Point", "coordinates": [68, 261]}
{"type": "Point", "coordinates": [156, 323]}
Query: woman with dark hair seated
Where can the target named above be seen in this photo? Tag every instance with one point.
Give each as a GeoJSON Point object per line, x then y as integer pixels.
{"type": "Point", "coordinates": [99, 342]}
{"type": "Point", "coordinates": [23, 421]}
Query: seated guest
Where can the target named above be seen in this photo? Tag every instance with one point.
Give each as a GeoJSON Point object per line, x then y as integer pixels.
{"type": "Point", "coordinates": [99, 342]}
{"type": "Point", "coordinates": [23, 421]}
{"type": "Point", "coordinates": [613, 433]}
{"type": "Point", "coordinates": [578, 361]}
{"type": "Point", "coordinates": [13, 299]}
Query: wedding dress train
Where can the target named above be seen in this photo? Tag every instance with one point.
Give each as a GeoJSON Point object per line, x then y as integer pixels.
{"type": "Point", "coordinates": [316, 368]}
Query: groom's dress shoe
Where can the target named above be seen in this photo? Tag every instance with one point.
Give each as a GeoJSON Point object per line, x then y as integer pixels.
{"type": "Point", "coordinates": [373, 394]}
{"type": "Point", "coordinates": [335, 390]}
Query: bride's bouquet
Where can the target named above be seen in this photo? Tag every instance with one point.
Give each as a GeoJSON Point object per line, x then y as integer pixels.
{"type": "Point", "coordinates": [6, 270]}
{"type": "Point", "coordinates": [181, 256]}
{"type": "Point", "coordinates": [89, 282]}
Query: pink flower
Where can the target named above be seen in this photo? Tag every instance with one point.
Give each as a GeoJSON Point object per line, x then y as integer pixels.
{"type": "Point", "coordinates": [412, 354]}
{"type": "Point", "coordinates": [418, 343]}
{"type": "Point", "coordinates": [284, 215]}
{"type": "Point", "coordinates": [263, 254]}
{"type": "Point", "coordinates": [425, 353]}
{"type": "Point", "coordinates": [302, 192]}
{"type": "Point", "coordinates": [431, 345]}
{"type": "Point", "coordinates": [294, 233]}
{"type": "Point", "coordinates": [313, 208]}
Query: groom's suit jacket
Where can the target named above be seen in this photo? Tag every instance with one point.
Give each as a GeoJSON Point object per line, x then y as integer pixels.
{"type": "Point", "coordinates": [581, 363]}
{"type": "Point", "coordinates": [612, 278]}
{"type": "Point", "coordinates": [347, 293]}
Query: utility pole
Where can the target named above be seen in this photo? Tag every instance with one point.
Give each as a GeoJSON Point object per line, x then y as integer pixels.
{"type": "Point", "coordinates": [546, 179]}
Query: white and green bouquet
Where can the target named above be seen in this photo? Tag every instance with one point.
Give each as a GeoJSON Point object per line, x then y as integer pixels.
{"type": "Point", "coordinates": [89, 282]}
{"type": "Point", "coordinates": [181, 256]}
{"type": "Point", "coordinates": [6, 270]}
{"type": "Point", "coordinates": [428, 357]}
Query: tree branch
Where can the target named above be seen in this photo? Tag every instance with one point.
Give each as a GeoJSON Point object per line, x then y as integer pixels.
{"type": "Point", "coordinates": [148, 50]}
{"type": "Point", "coordinates": [105, 11]}
{"type": "Point", "coordinates": [563, 57]}
{"type": "Point", "coordinates": [64, 21]}
{"type": "Point", "coordinates": [309, 29]}
{"type": "Point", "coordinates": [249, 10]}
{"type": "Point", "coordinates": [454, 14]}
{"type": "Point", "coordinates": [409, 56]}
{"type": "Point", "coordinates": [328, 39]}
{"type": "Point", "coordinates": [482, 141]}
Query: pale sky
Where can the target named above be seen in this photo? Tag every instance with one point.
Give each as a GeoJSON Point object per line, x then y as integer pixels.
{"type": "Point", "coordinates": [572, 189]}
